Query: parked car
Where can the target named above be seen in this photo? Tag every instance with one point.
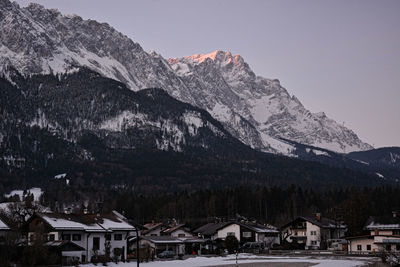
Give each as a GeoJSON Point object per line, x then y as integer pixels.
{"type": "Point", "coordinates": [166, 254]}
{"type": "Point", "coordinates": [252, 247]}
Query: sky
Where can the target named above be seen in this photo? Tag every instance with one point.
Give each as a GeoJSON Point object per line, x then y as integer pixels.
{"type": "Point", "coordinates": [337, 56]}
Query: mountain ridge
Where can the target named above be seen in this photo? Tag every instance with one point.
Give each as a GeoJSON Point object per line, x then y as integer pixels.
{"type": "Point", "coordinates": [256, 110]}
{"type": "Point", "coordinates": [72, 123]}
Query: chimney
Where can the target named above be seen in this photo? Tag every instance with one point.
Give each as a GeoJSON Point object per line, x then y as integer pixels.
{"type": "Point", "coordinates": [318, 215]}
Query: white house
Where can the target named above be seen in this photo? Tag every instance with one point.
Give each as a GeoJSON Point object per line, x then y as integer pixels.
{"type": "Point", "coordinates": [91, 234]}
{"type": "Point", "coordinates": [178, 230]}
{"type": "Point", "coordinates": [313, 232]}
{"type": "Point", "coordinates": [244, 231]}
{"type": "Point", "coordinates": [384, 235]}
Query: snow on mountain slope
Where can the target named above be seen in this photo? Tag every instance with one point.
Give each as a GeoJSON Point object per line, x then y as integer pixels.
{"type": "Point", "coordinates": [255, 110]}
{"type": "Point", "coordinates": [39, 40]}
{"type": "Point", "coordinates": [229, 87]}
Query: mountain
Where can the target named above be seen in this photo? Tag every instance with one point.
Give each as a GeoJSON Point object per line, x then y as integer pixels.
{"type": "Point", "coordinates": [257, 111]}
{"type": "Point", "coordinates": [385, 160]}
{"type": "Point", "coordinates": [262, 102]}
{"type": "Point", "coordinates": [81, 103]}
{"type": "Point", "coordinates": [102, 134]}
{"type": "Point", "coordinates": [381, 162]}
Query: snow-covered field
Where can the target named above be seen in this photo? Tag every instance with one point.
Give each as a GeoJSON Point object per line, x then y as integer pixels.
{"type": "Point", "coordinates": [249, 260]}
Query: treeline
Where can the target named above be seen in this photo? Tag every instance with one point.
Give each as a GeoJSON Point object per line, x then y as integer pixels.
{"type": "Point", "coordinates": [274, 205]}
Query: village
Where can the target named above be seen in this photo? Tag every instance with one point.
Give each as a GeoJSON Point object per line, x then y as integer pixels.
{"type": "Point", "coordinates": [71, 238]}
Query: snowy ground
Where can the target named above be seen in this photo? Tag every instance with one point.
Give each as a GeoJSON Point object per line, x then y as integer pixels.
{"type": "Point", "coordinates": [37, 192]}
{"type": "Point", "coordinates": [255, 261]}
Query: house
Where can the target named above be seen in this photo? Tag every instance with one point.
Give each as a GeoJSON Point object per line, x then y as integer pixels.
{"type": "Point", "coordinates": [159, 244]}
{"type": "Point", "coordinates": [313, 232]}
{"type": "Point", "coordinates": [92, 235]}
{"type": "Point", "coordinates": [152, 229]}
{"type": "Point", "coordinates": [171, 228]}
{"type": "Point", "coordinates": [178, 231]}
{"type": "Point", "coordinates": [244, 231]}
{"type": "Point", "coordinates": [383, 235]}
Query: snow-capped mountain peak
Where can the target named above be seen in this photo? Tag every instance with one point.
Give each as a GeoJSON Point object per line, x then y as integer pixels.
{"type": "Point", "coordinates": [256, 110]}
{"type": "Point", "coordinates": [217, 56]}
{"type": "Point", "coordinates": [262, 102]}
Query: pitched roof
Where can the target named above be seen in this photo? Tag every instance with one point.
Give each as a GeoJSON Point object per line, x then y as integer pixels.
{"type": "Point", "coordinates": [211, 228]}
{"type": "Point", "coordinates": [85, 222]}
{"type": "Point", "coordinates": [3, 226]}
{"type": "Point", "coordinates": [323, 222]}
{"type": "Point", "coordinates": [173, 228]}
{"type": "Point", "coordinates": [162, 239]}
{"type": "Point", "coordinates": [150, 227]}
{"type": "Point", "coordinates": [382, 223]}
{"type": "Point", "coordinates": [258, 228]}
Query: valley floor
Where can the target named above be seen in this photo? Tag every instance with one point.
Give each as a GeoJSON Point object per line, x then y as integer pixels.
{"type": "Point", "coordinates": [247, 260]}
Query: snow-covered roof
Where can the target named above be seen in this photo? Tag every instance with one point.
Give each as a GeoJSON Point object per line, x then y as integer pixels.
{"type": "Point", "coordinates": [119, 225]}
{"type": "Point", "coordinates": [212, 228]}
{"type": "Point", "coordinates": [162, 239]}
{"type": "Point", "coordinates": [3, 226]}
{"type": "Point", "coordinates": [382, 223]}
{"type": "Point", "coordinates": [323, 222]}
{"type": "Point", "coordinates": [69, 223]}
{"type": "Point", "coordinates": [259, 228]}
{"type": "Point", "coordinates": [86, 222]}
{"type": "Point", "coordinates": [173, 228]}
{"type": "Point", "coordinates": [379, 226]}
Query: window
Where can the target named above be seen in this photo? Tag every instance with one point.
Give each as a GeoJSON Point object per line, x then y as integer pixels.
{"type": "Point", "coordinates": [388, 247]}
{"type": "Point", "coordinates": [181, 235]}
{"type": "Point", "coordinates": [153, 235]}
{"type": "Point", "coordinates": [66, 237]}
{"type": "Point", "coordinates": [117, 237]}
{"type": "Point", "coordinates": [368, 247]}
{"type": "Point", "coordinates": [359, 247]}
{"type": "Point", "coordinates": [313, 242]}
{"type": "Point", "coordinates": [230, 233]}
{"type": "Point", "coordinates": [76, 237]}
{"type": "Point", "coordinates": [248, 234]}
{"type": "Point", "coordinates": [396, 232]}
{"type": "Point", "coordinates": [52, 237]}
{"type": "Point", "coordinates": [313, 232]}
{"type": "Point", "coordinates": [108, 237]}
{"type": "Point", "coordinates": [96, 243]}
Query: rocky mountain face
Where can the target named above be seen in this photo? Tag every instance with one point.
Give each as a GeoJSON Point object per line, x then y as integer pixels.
{"type": "Point", "coordinates": [257, 111]}
{"type": "Point", "coordinates": [262, 102]}
{"type": "Point", "coordinates": [82, 108]}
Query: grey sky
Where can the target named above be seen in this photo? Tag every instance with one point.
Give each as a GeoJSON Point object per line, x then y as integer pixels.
{"type": "Point", "coordinates": [340, 56]}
